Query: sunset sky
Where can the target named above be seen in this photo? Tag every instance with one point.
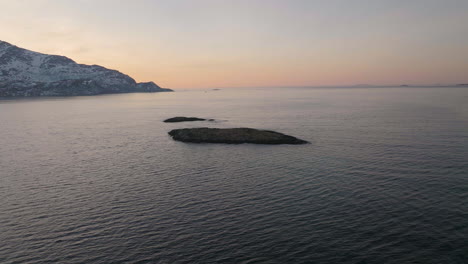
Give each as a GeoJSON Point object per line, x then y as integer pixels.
{"type": "Point", "coordinates": [238, 43]}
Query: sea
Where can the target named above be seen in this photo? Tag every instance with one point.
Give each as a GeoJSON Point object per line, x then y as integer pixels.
{"type": "Point", "coordinates": [97, 179]}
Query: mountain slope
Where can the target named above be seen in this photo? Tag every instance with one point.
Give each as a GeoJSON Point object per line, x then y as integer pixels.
{"type": "Point", "coordinates": [28, 73]}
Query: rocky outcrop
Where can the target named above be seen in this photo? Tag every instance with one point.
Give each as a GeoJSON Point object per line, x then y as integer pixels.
{"type": "Point", "coordinates": [148, 87]}
{"type": "Point", "coordinates": [28, 73]}
{"type": "Point", "coordinates": [233, 136]}
{"type": "Point", "coordinates": [185, 119]}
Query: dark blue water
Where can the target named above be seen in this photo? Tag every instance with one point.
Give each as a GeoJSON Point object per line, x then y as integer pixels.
{"type": "Point", "coordinates": [98, 180]}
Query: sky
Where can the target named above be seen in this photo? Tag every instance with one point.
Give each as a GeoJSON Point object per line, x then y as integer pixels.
{"type": "Point", "coordinates": [251, 43]}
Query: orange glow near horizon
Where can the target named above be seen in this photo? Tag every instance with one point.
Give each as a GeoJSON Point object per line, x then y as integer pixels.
{"type": "Point", "coordinates": [208, 44]}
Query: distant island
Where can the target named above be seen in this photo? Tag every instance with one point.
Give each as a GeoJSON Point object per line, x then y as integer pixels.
{"type": "Point", "coordinates": [28, 73]}
{"type": "Point", "coordinates": [179, 119]}
{"type": "Point", "coordinates": [233, 136]}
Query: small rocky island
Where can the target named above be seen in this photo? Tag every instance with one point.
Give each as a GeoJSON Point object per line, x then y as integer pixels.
{"type": "Point", "coordinates": [185, 119]}
{"type": "Point", "coordinates": [233, 136]}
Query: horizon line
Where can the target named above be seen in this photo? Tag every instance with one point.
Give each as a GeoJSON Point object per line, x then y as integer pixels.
{"type": "Point", "coordinates": [460, 85]}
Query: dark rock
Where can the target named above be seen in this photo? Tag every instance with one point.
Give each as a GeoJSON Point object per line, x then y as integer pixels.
{"type": "Point", "coordinates": [233, 136]}
{"type": "Point", "coordinates": [184, 119]}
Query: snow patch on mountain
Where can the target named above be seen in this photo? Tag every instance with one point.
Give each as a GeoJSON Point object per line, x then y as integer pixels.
{"type": "Point", "coordinates": [28, 73]}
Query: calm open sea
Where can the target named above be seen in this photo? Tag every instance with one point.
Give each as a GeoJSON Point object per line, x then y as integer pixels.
{"type": "Point", "coordinates": [98, 180]}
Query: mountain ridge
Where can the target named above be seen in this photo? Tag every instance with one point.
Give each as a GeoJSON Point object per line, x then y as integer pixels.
{"type": "Point", "coordinates": [28, 73]}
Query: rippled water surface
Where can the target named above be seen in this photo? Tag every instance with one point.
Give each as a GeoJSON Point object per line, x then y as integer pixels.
{"type": "Point", "coordinates": [98, 180]}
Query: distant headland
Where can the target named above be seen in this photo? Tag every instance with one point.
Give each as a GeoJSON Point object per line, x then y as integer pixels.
{"type": "Point", "coordinates": [28, 73]}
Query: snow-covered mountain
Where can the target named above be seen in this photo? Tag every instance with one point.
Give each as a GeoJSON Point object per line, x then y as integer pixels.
{"type": "Point", "coordinates": [28, 73]}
